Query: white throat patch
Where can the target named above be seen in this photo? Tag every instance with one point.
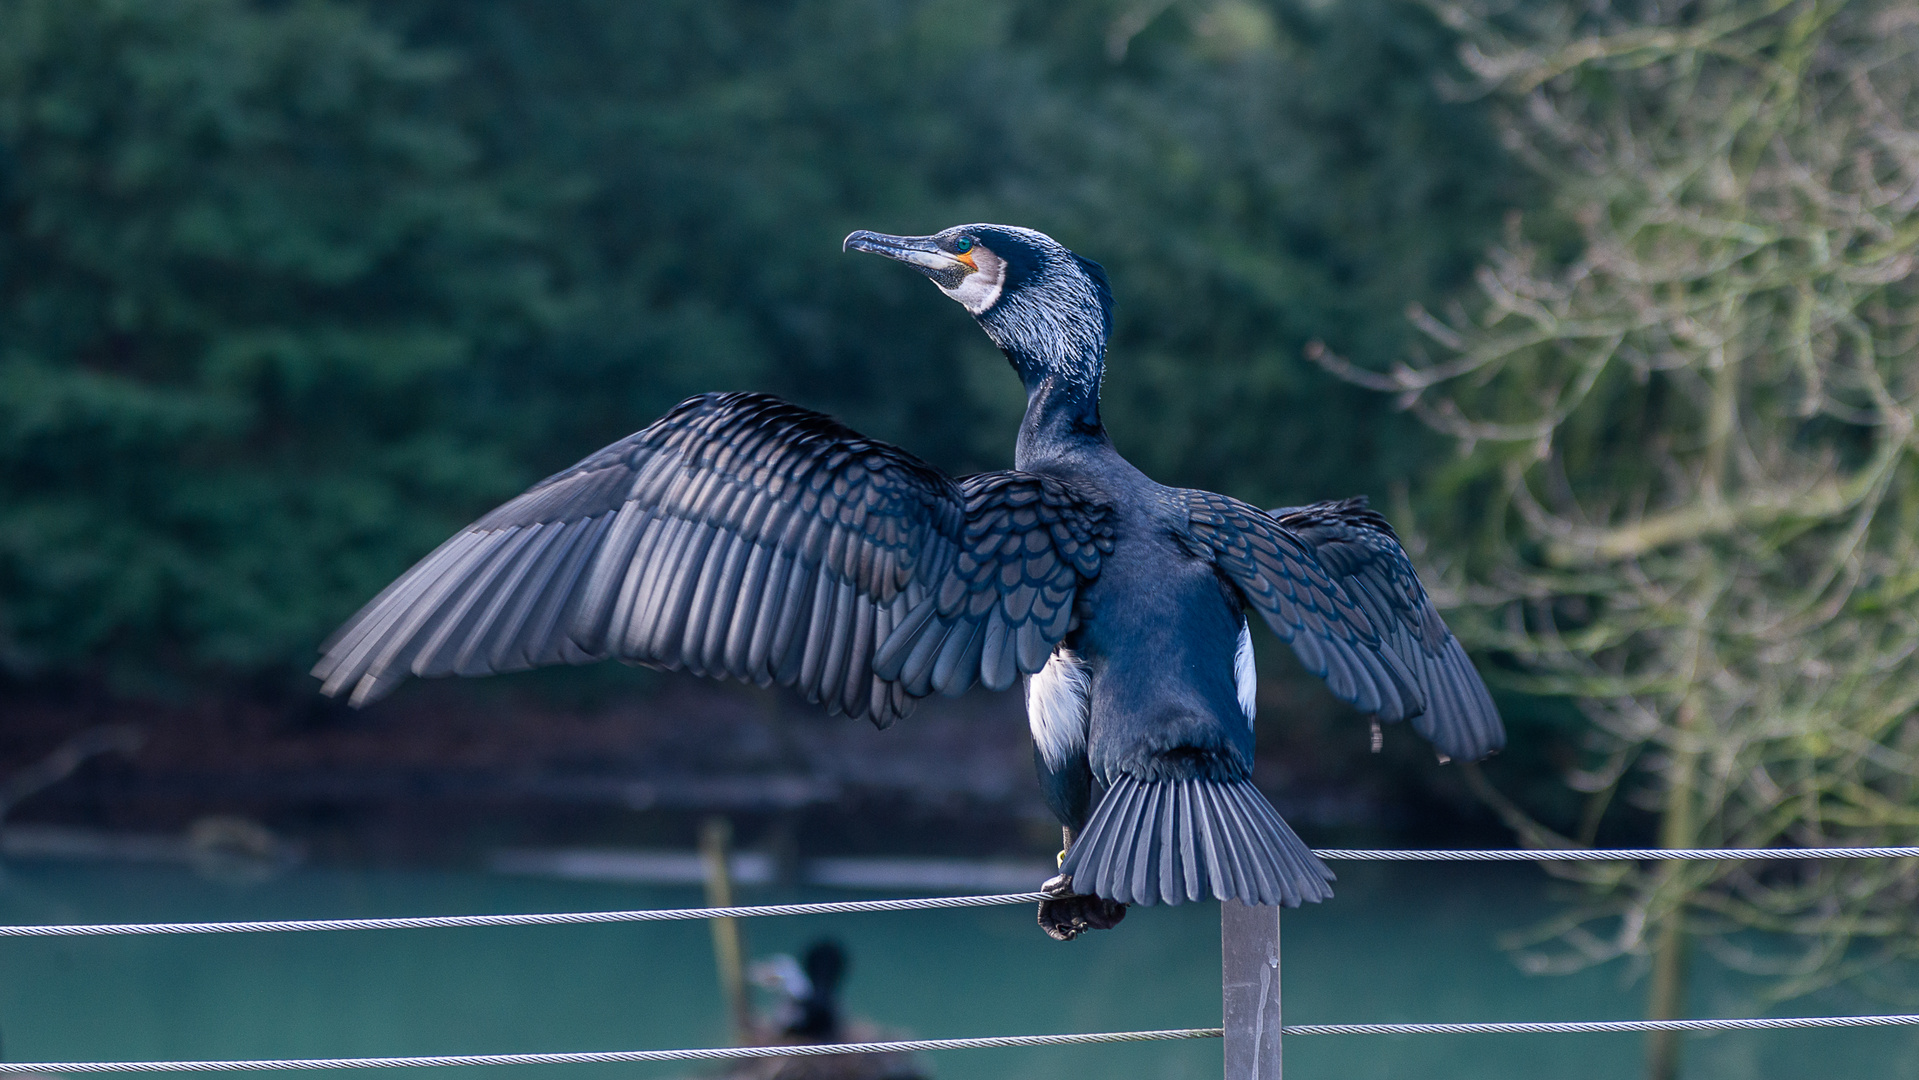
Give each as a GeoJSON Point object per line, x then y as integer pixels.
{"type": "Point", "coordinates": [980, 289]}
{"type": "Point", "coordinates": [1059, 707]}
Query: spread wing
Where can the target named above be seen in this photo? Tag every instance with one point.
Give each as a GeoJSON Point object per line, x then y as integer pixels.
{"type": "Point", "coordinates": [1279, 577]}
{"type": "Point", "coordinates": [743, 537]}
{"type": "Point", "coordinates": [1008, 597]}
{"type": "Point", "coordinates": [1359, 548]}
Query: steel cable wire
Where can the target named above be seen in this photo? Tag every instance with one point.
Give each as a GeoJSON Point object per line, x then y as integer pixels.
{"type": "Point", "coordinates": [841, 907]}
{"type": "Point", "coordinates": [722, 1053]}
{"type": "Point", "coordinates": [563, 918]}
{"type": "Point", "coordinates": [593, 1057]}
{"type": "Point", "coordinates": [1613, 854]}
{"type": "Point", "coordinates": [1589, 1027]}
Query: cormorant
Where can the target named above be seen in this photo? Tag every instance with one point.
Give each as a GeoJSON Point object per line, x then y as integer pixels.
{"type": "Point", "coordinates": [813, 989]}
{"type": "Point", "coordinates": [810, 1013]}
{"type": "Point", "coordinates": [740, 536]}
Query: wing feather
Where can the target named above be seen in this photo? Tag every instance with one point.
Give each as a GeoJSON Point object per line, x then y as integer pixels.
{"type": "Point", "coordinates": [796, 606]}
{"type": "Point", "coordinates": [747, 598]}
{"type": "Point", "coordinates": [766, 622]}
{"type": "Point", "coordinates": [494, 651]}
{"type": "Point", "coordinates": [839, 637]}
{"type": "Point", "coordinates": [813, 644]}
{"type": "Point", "coordinates": [1025, 535]}
{"type": "Point", "coordinates": [718, 608]}
{"type": "Point", "coordinates": [355, 641]}
{"type": "Point", "coordinates": [997, 669]}
{"type": "Point", "coordinates": [401, 641]}
{"type": "Point", "coordinates": [561, 600]}
{"type": "Point", "coordinates": [440, 653]}
{"type": "Point", "coordinates": [856, 683]}
{"type": "Point", "coordinates": [661, 615]}
{"type": "Point", "coordinates": [1279, 577]}
{"type": "Point", "coordinates": [536, 561]}
{"type": "Point", "coordinates": [650, 572]}
{"type": "Point", "coordinates": [743, 537]}
{"type": "Point", "coordinates": [1361, 550]}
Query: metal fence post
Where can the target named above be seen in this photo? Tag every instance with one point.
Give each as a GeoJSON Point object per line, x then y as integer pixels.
{"type": "Point", "coordinates": [1249, 990]}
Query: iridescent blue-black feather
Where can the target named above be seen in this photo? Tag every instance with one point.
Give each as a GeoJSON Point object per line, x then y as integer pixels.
{"type": "Point", "coordinates": [743, 537]}
{"type": "Point", "coordinates": [1359, 548]}
{"type": "Point", "coordinates": [1280, 578]}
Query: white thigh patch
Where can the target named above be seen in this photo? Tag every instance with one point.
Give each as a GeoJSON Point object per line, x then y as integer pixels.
{"type": "Point", "coordinates": [1245, 677]}
{"type": "Point", "coordinates": [1059, 707]}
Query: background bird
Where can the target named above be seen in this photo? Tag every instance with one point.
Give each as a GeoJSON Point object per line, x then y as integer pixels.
{"type": "Point", "coordinates": [810, 1012]}
{"type": "Point", "coordinates": [741, 536]}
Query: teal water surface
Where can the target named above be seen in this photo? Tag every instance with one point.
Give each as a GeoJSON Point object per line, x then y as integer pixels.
{"type": "Point", "coordinates": [1399, 943]}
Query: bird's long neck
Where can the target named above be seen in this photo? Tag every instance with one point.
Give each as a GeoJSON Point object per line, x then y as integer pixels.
{"type": "Point", "coordinates": [1061, 421]}
{"type": "Point", "coordinates": [1055, 338]}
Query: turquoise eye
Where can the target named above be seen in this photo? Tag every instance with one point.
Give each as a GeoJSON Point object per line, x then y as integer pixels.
{"type": "Point", "coordinates": [963, 245]}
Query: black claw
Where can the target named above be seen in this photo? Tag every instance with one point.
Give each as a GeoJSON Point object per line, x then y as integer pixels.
{"type": "Point", "coordinates": [1065, 914]}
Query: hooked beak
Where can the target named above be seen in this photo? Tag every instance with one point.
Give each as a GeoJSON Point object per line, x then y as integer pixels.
{"type": "Point", "coordinates": [918, 252]}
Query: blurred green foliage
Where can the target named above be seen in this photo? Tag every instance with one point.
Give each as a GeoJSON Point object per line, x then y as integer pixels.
{"type": "Point", "coordinates": [289, 291]}
{"type": "Point", "coordinates": [248, 267]}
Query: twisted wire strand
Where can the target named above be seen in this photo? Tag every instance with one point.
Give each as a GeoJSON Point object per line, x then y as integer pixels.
{"type": "Point", "coordinates": [563, 918]}
{"type": "Point", "coordinates": [1583, 1027]}
{"type": "Point", "coordinates": [722, 1053]}
{"type": "Point", "coordinates": [595, 1057]}
{"type": "Point", "coordinates": [1614, 854]}
{"type": "Point", "coordinates": [841, 907]}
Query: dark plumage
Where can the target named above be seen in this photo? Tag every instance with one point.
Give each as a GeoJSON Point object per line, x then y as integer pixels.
{"type": "Point", "coordinates": [817, 1012]}
{"type": "Point", "coordinates": [1357, 546]}
{"type": "Point", "coordinates": [740, 536]}
{"type": "Point", "coordinates": [743, 537]}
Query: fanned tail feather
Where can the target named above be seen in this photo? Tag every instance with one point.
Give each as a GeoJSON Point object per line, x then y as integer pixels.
{"type": "Point", "coordinates": [1168, 841]}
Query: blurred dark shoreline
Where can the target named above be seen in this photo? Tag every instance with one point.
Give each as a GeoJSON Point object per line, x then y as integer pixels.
{"type": "Point", "coordinates": [453, 773]}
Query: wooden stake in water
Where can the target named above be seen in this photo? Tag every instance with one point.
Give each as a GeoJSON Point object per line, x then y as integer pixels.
{"type": "Point", "coordinates": [716, 842]}
{"type": "Point", "coordinates": [1249, 990]}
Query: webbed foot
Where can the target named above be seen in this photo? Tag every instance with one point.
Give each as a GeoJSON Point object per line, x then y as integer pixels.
{"type": "Point", "coordinates": [1065, 914]}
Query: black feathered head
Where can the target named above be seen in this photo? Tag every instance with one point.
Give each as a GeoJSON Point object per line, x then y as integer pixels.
{"type": "Point", "coordinates": [825, 966]}
{"type": "Point", "coordinates": [1047, 308]}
